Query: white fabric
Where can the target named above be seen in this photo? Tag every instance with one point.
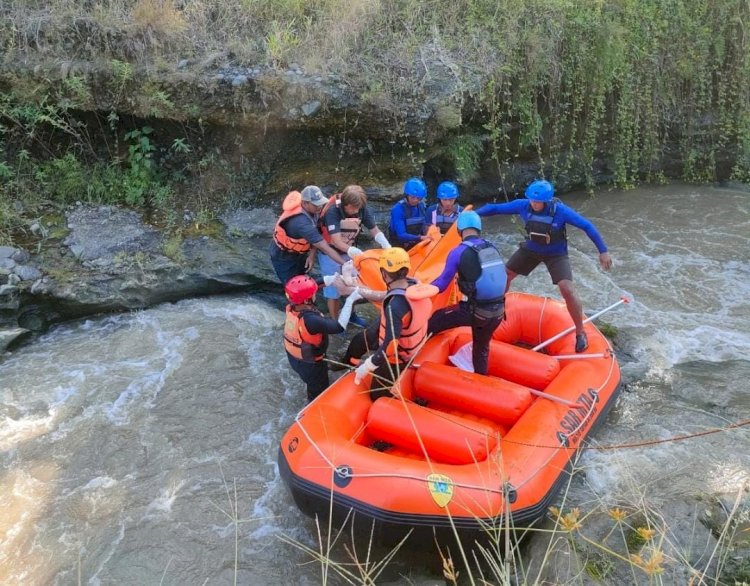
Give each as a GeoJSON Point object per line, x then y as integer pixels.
{"type": "Point", "coordinates": [382, 240]}
{"type": "Point", "coordinates": [328, 280]}
{"type": "Point", "coordinates": [462, 358]}
{"type": "Point", "coordinates": [349, 273]}
{"type": "Point", "coordinates": [353, 251]}
{"type": "Point", "coordinates": [363, 370]}
{"type": "Point", "coordinates": [346, 311]}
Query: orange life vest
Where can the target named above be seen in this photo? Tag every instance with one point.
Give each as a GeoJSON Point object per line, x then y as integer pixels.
{"type": "Point", "coordinates": [292, 206]}
{"type": "Point", "coordinates": [298, 341]}
{"type": "Point", "coordinates": [350, 227]}
{"type": "Point", "coordinates": [413, 325]}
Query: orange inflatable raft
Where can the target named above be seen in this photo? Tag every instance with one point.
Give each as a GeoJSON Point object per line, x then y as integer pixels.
{"type": "Point", "coordinates": [455, 448]}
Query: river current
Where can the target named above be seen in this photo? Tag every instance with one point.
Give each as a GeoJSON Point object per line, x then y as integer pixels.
{"type": "Point", "coordinates": [141, 448]}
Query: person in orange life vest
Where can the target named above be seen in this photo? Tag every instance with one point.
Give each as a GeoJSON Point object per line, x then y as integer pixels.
{"type": "Point", "coordinates": [407, 226]}
{"type": "Point", "coordinates": [445, 212]}
{"type": "Point", "coordinates": [296, 236]}
{"type": "Point", "coordinates": [306, 333]}
{"type": "Point", "coordinates": [342, 221]}
{"type": "Point", "coordinates": [403, 324]}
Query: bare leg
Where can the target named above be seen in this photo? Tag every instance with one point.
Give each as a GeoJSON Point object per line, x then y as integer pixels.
{"type": "Point", "coordinates": [334, 307]}
{"type": "Point", "coordinates": [568, 291]}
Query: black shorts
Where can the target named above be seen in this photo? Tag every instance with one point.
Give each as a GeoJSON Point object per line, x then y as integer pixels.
{"type": "Point", "coordinates": [523, 261]}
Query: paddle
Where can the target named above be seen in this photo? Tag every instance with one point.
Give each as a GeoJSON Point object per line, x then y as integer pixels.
{"type": "Point", "coordinates": [572, 328]}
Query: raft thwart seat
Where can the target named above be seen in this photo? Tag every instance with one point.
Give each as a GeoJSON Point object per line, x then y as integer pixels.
{"type": "Point", "coordinates": [446, 438]}
{"type": "Point", "coordinates": [496, 399]}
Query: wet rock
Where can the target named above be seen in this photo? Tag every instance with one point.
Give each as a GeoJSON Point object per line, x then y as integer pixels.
{"type": "Point", "coordinates": [11, 338]}
{"type": "Point", "coordinates": [28, 273]}
{"type": "Point", "coordinates": [7, 251]}
{"type": "Point", "coordinates": [239, 80]}
{"type": "Point", "coordinates": [97, 232]}
{"type": "Point", "coordinates": [7, 290]}
{"type": "Point", "coordinates": [39, 287]}
{"type": "Point", "coordinates": [249, 222]}
{"type": "Point", "coordinates": [21, 256]}
{"type": "Point", "coordinates": [311, 108]}
{"type": "Point", "coordinates": [7, 263]}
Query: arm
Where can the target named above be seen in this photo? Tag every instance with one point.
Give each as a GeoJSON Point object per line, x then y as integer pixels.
{"type": "Point", "coordinates": [451, 268]}
{"type": "Point", "coordinates": [398, 225]}
{"type": "Point", "coordinates": [575, 219]}
{"type": "Point", "coordinates": [338, 242]}
{"type": "Point", "coordinates": [318, 324]}
{"type": "Point", "coordinates": [512, 207]}
{"type": "Point", "coordinates": [310, 260]}
{"type": "Point", "coordinates": [323, 246]}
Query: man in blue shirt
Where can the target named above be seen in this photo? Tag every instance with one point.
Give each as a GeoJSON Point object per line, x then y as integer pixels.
{"type": "Point", "coordinates": [296, 237]}
{"type": "Point", "coordinates": [481, 278]}
{"type": "Point", "coordinates": [407, 226]}
{"type": "Point", "coordinates": [545, 218]}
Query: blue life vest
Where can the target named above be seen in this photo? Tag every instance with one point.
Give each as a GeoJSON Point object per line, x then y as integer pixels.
{"type": "Point", "coordinates": [541, 226]}
{"type": "Point", "coordinates": [490, 286]}
{"type": "Point", "coordinates": [414, 223]}
{"type": "Point", "coordinates": [445, 221]}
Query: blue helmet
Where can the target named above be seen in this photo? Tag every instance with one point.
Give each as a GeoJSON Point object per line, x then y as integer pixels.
{"type": "Point", "coordinates": [447, 190]}
{"type": "Point", "coordinates": [540, 190]}
{"type": "Point", "coordinates": [415, 187]}
{"type": "Point", "coordinates": [468, 220]}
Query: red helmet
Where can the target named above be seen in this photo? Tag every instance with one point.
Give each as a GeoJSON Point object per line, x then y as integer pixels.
{"type": "Point", "coordinates": [300, 288]}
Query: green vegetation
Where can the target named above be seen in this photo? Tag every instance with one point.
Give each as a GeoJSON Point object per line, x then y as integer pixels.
{"type": "Point", "coordinates": [639, 84]}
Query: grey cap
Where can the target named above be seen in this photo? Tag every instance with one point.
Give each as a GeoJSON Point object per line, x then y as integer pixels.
{"type": "Point", "coordinates": [314, 195]}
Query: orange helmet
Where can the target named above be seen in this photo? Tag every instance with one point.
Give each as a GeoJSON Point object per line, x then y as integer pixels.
{"type": "Point", "coordinates": [300, 288]}
{"type": "Point", "coordinates": [393, 259]}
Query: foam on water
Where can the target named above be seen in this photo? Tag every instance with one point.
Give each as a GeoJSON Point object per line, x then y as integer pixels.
{"type": "Point", "coordinates": [141, 423]}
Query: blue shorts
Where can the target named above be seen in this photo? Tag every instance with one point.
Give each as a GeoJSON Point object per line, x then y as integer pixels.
{"type": "Point", "coordinates": [330, 267]}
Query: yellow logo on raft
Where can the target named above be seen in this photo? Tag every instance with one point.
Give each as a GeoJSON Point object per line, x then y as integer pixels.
{"type": "Point", "coordinates": [441, 488]}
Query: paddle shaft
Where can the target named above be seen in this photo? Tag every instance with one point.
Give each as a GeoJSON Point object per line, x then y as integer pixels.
{"type": "Point", "coordinates": [553, 398]}
{"type": "Point", "coordinates": [572, 328]}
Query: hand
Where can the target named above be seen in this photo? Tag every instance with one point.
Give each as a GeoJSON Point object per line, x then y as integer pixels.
{"type": "Point", "coordinates": [341, 286]}
{"type": "Point", "coordinates": [605, 261]}
{"type": "Point", "coordinates": [353, 251]}
{"type": "Point", "coordinates": [363, 370]}
{"type": "Point", "coordinates": [309, 262]}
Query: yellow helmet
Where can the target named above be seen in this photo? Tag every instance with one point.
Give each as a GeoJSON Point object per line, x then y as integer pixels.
{"type": "Point", "coordinates": [393, 259]}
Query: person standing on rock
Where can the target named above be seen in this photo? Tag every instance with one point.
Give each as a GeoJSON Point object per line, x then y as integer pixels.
{"type": "Point", "coordinates": [408, 221]}
{"type": "Point", "coordinates": [545, 218]}
{"type": "Point", "coordinates": [342, 220]}
{"type": "Point", "coordinates": [296, 237]}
